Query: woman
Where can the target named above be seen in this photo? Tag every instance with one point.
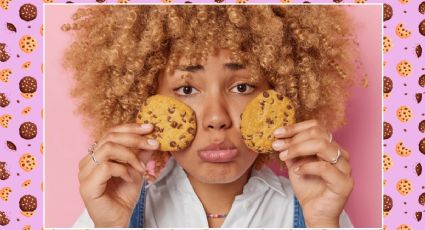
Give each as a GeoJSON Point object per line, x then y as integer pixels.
{"type": "Point", "coordinates": [215, 59]}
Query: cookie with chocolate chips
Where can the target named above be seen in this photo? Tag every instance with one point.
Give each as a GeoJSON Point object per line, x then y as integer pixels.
{"type": "Point", "coordinates": [421, 80]}
{"type": "Point", "coordinates": [388, 203]}
{"type": "Point", "coordinates": [174, 122]}
{"type": "Point", "coordinates": [262, 116]}
{"type": "Point", "coordinates": [28, 84]}
{"type": "Point", "coordinates": [4, 56]}
{"type": "Point", "coordinates": [422, 146]}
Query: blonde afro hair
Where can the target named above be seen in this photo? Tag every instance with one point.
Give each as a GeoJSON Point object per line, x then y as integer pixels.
{"type": "Point", "coordinates": [305, 52]}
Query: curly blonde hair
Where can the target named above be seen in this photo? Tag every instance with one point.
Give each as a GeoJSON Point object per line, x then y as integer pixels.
{"type": "Point", "coordinates": [305, 52]}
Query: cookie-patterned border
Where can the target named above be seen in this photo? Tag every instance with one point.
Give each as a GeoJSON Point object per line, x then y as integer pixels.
{"type": "Point", "coordinates": [19, 107]}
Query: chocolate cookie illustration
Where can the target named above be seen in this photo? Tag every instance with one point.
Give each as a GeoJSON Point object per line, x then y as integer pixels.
{"type": "Point", "coordinates": [421, 8]}
{"type": "Point", "coordinates": [4, 56]}
{"type": "Point", "coordinates": [388, 84]}
{"type": "Point", "coordinates": [388, 204]}
{"type": "Point", "coordinates": [268, 111]}
{"type": "Point", "coordinates": [421, 199]}
{"type": "Point", "coordinates": [418, 216]}
{"type": "Point", "coordinates": [28, 84]}
{"type": "Point", "coordinates": [422, 27]}
{"type": "Point", "coordinates": [421, 80]}
{"type": "Point", "coordinates": [422, 146]}
{"type": "Point", "coordinates": [28, 130]}
{"type": "Point", "coordinates": [4, 172]}
{"type": "Point", "coordinates": [174, 122]}
{"type": "Point", "coordinates": [28, 203]}
{"type": "Point", "coordinates": [28, 12]}
{"type": "Point", "coordinates": [418, 97]}
{"type": "Point", "coordinates": [4, 219]}
{"type": "Point", "coordinates": [421, 126]}
{"type": "Point", "coordinates": [388, 12]}
{"type": "Point", "coordinates": [388, 130]}
{"type": "Point", "coordinates": [11, 27]}
{"type": "Point", "coordinates": [418, 51]}
{"type": "Point", "coordinates": [404, 187]}
{"type": "Point", "coordinates": [10, 145]}
{"type": "Point", "coordinates": [4, 101]}
{"type": "Point", "coordinates": [418, 169]}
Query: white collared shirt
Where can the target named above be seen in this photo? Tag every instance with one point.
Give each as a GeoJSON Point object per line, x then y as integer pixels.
{"type": "Point", "coordinates": [267, 201]}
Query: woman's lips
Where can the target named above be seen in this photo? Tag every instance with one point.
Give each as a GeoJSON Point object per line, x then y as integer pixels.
{"type": "Point", "coordinates": [218, 156]}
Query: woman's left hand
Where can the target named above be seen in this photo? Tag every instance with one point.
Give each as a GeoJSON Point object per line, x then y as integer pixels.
{"type": "Point", "coordinates": [321, 187]}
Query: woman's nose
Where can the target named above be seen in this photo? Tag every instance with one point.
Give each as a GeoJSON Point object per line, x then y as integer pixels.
{"type": "Point", "coordinates": [216, 115]}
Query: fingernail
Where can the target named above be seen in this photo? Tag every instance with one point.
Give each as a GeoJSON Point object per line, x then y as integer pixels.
{"type": "Point", "coordinates": [146, 126]}
{"type": "Point", "coordinates": [297, 170]}
{"type": "Point", "coordinates": [283, 155]}
{"type": "Point", "coordinates": [279, 131]}
{"type": "Point", "coordinates": [152, 142]}
{"type": "Point", "coordinates": [278, 145]}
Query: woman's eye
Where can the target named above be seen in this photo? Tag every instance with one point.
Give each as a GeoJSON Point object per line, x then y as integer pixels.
{"type": "Point", "coordinates": [186, 90]}
{"type": "Point", "coordinates": [243, 88]}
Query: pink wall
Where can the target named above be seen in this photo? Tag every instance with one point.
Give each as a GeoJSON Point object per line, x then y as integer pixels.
{"type": "Point", "coordinates": [66, 139]}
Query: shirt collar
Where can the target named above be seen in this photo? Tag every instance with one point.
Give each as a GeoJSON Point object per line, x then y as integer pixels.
{"type": "Point", "coordinates": [265, 175]}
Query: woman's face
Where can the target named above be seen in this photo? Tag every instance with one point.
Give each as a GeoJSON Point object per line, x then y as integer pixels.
{"type": "Point", "coordinates": [217, 91]}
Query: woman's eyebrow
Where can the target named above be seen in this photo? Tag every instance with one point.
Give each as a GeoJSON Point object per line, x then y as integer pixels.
{"type": "Point", "coordinates": [195, 68]}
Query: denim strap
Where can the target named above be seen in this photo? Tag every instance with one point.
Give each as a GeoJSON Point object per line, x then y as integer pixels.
{"type": "Point", "coordinates": [137, 218]}
{"type": "Point", "coordinates": [298, 215]}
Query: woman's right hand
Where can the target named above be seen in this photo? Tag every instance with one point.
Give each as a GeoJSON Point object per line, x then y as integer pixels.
{"type": "Point", "coordinates": [111, 188]}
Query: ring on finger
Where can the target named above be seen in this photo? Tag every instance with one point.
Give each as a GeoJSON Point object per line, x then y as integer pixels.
{"type": "Point", "coordinates": [91, 153]}
{"type": "Point", "coordinates": [338, 155]}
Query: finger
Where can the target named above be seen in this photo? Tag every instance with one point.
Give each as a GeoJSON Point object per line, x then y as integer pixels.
{"type": "Point", "coordinates": [344, 166]}
{"type": "Point", "coordinates": [337, 181]}
{"type": "Point", "coordinates": [128, 139]}
{"type": "Point", "coordinates": [132, 128]}
{"type": "Point", "coordinates": [315, 132]}
{"type": "Point", "coordinates": [95, 184]}
{"type": "Point", "coordinates": [323, 149]}
{"type": "Point", "coordinates": [291, 130]}
{"type": "Point", "coordinates": [113, 152]}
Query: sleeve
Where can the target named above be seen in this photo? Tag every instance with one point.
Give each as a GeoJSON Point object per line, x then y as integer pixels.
{"type": "Point", "coordinates": [84, 221]}
{"type": "Point", "coordinates": [344, 220]}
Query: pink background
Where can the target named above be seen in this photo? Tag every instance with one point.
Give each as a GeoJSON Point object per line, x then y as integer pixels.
{"type": "Point", "coordinates": [66, 139]}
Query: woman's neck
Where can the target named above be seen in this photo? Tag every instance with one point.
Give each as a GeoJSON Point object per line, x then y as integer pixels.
{"type": "Point", "coordinates": [218, 198]}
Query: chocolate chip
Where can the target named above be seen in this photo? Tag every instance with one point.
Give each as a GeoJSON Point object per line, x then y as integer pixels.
{"type": "Point", "coordinates": [289, 107]}
{"type": "Point", "coordinates": [173, 144]}
{"type": "Point", "coordinates": [191, 130]}
{"type": "Point", "coordinates": [269, 121]}
{"type": "Point", "coordinates": [179, 126]}
{"type": "Point", "coordinates": [266, 94]}
{"type": "Point", "coordinates": [171, 110]}
{"type": "Point", "coordinates": [183, 114]}
{"type": "Point", "coordinates": [182, 137]}
{"type": "Point", "coordinates": [174, 124]}
{"type": "Point", "coordinates": [279, 97]}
